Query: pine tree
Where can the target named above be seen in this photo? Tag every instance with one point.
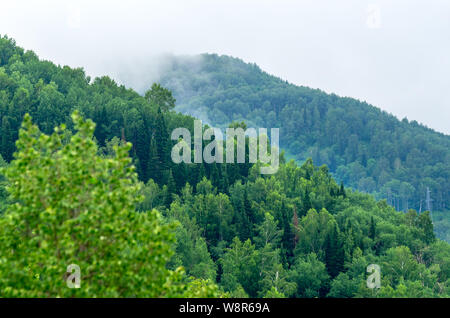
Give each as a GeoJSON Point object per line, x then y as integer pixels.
{"type": "Point", "coordinates": [154, 170]}
{"type": "Point", "coordinates": [171, 188]}
{"type": "Point", "coordinates": [334, 252]}
{"type": "Point", "coordinates": [342, 190]}
{"type": "Point", "coordinates": [141, 145]}
{"type": "Point", "coordinates": [162, 140]}
{"type": "Point", "coordinates": [223, 178]}
{"type": "Point", "coordinates": [101, 120]}
{"type": "Point", "coordinates": [214, 175]}
{"type": "Point", "coordinates": [306, 202]}
{"type": "Point", "coordinates": [180, 174]}
{"type": "Point", "coordinates": [201, 172]}
{"type": "Point", "coordinates": [425, 223]}
{"type": "Point", "coordinates": [7, 142]}
{"type": "Point", "coordinates": [372, 229]}
{"type": "Point", "coordinates": [288, 237]}
{"type": "Point", "coordinates": [295, 224]}
{"type": "Point", "coordinates": [248, 217]}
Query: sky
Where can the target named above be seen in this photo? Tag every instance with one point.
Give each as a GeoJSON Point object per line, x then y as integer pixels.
{"type": "Point", "coordinates": [394, 54]}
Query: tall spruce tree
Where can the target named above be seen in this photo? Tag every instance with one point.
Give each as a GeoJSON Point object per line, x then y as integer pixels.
{"type": "Point", "coordinates": [334, 252]}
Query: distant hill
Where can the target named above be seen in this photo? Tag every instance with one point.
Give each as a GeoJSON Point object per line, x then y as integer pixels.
{"type": "Point", "coordinates": [366, 148]}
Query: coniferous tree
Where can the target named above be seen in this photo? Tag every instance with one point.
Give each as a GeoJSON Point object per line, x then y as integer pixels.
{"type": "Point", "coordinates": [141, 144]}
{"type": "Point", "coordinates": [162, 142]}
{"type": "Point", "coordinates": [306, 202]}
{"type": "Point", "coordinates": [171, 188]}
{"type": "Point", "coordinates": [7, 142]}
{"type": "Point", "coordinates": [295, 225]}
{"type": "Point", "coordinates": [154, 170]}
{"type": "Point", "coordinates": [372, 229]}
{"type": "Point", "coordinates": [248, 216]}
{"type": "Point", "coordinates": [425, 223]}
{"type": "Point", "coordinates": [342, 190]}
{"type": "Point", "coordinates": [334, 253]}
{"type": "Point", "coordinates": [288, 236]}
{"type": "Point", "coordinates": [223, 178]}
{"type": "Point", "coordinates": [101, 120]}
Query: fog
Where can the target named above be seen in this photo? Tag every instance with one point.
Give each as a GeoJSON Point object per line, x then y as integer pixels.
{"type": "Point", "coordinates": [392, 54]}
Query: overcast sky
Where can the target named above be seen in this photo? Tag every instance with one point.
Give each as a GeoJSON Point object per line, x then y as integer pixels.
{"type": "Point", "coordinates": [394, 54]}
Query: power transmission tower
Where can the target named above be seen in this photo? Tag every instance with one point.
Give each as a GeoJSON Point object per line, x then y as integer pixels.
{"type": "Point", "coordinates": [428, 200]}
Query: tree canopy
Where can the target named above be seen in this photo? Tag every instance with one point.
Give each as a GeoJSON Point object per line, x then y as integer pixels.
{"type": "Point", "coordinates": [107, 197]}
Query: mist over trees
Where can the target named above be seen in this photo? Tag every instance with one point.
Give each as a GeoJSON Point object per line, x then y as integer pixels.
{"type": "Point", "coordinates": [366, 148]}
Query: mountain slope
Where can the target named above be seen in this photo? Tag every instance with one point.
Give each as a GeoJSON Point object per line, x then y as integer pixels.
{"type": "Point", "coordinates": [365, 147]}
{"type": "Point", "coordinates": [296, 233]}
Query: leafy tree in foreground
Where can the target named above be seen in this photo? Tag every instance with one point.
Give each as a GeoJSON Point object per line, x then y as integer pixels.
{"type": "Point", "coordinates": [73, 206]}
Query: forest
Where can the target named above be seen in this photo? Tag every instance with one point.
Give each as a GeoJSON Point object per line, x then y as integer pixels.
{"type": "Point", "coordinates": [86, 178]}
{"type": "Point", "coordinates": [364, 147]}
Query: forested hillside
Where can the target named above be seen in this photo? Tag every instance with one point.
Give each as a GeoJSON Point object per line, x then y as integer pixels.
{"type": "Point", "coordinates": [142, 226]}
{"type": "Point", "coordinates": [366, 148]}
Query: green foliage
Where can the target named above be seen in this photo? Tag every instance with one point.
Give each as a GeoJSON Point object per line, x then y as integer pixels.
{"type": "Point", "coordinates": [3, 193]}
{"type": "Point", "coordinates": [334, 252]}
{"type": "Point", "coordinates": [310, 275]}
{"type": "Point", "coordinates": [268, 232]}
{"type": "Point", "coordinates": [75, 207]}
{"type": "Point", "coordinates": [160, 96]}
{"type": "Point", "coordinates": [365, 147]}
{"type": "Point", "coordinates": [76, 197]}
{"type": "Point", "coordinates": [240, 268]}
{"type": "Point", "coordinates": [192, 253]}
{"type": "Point", "coordinates": [343, 287]}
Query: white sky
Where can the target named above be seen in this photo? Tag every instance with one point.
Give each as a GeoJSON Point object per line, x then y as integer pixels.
{"type": "Point", "coordinates": [395, 54]}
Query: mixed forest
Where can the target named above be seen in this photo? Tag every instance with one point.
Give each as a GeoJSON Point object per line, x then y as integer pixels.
{"type": "Point", "coordinates": [364, 147]}
{"type": "Point", "coordinates": [86, 178]}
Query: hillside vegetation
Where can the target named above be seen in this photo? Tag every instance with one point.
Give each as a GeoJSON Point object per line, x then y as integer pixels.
{"type": "Point", "coordinates": [366, 148]}
{"type": "Point", "coordinates": [107, 197]}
